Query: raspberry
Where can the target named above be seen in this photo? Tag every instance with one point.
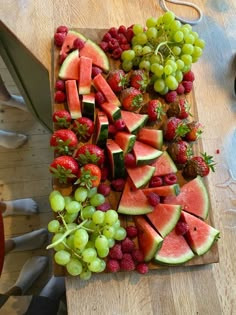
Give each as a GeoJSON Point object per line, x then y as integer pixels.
{"type": "Point", "coordinates": [189, 76]}
{"type": "Point", "coordinates": [122, 29]}
{"type": "Point", "coordinates": [78, 43]}
{"type": "Point", "coordinates": [125, 46]}
{"type": "Point", "coordinates": [118, 184]}
{"type": "Point", "coordinates": [170, 179]}
{"type": "Point", "coordinates": [130, 160]}
{"type": "Point", "coordinates": [113, 265]}
{"type": "Point", "coordinates": [153, 199]}
{"type": "Point", "coordinates": [132, 231]}
{"type": "Point", "coordinates": [119, 124]}
{"type": "Point", "coordinates": [113, 44]}
{"type": "Point", "coordinates": [104, 173]}
{"type": "Point", "coordinates": [116, 252]}
{"type": "Point", "coordinates": [129, 34]}
{"type": "Point", "coordinates": [117, 53]}
{"type": "Point", "coordinates": [188, 85]}
{"type": "Point", "coordinates": [107, 37]}
{"type": "Point", "coordinates": [113, 31]}
{"type": "Point", "coordinates": [96, 71]}
{"type": "Point", "coordinates": [137, 255]}
{"type": "Point", "coordinates": [111, 130]}
{"type": "Point", "coordinates": [62, 29]}
{"type": "Point", "coordinates": [127, 263]}
{"type": "Point", "coordinates": [60, 85]}
{"type": "Point", "coordinates": [104, 189]}
{"type": "Point", "coordinates": [181, 228]}
{"type": "Point", "coordinates": [122, 39]}
{"type": "Point", "coordinates": [180, 89]}
{"type": "Point", "coordinates": [170, 97]}
{"type": "Point", "coordinates": [59, 97]}
{"type": "Point", "coordinates": [104, 207]}
{"type": "Point", "coordinates": [99, 98]}
{"type": "Point", "coordinates": [127, 245]}
{"type": "Point", "coordinates": [59, 39]}
{"type": "Point", "coordinates": [104, 46]}
{"type": "Point", "coordinates": [156, 181]}
{"type": "Point", "coordinates": [142, 268]}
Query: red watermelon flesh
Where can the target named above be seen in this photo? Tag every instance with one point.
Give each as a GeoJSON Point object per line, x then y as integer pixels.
{"type": "Point", "coordinates": [144, 153]}
{"type": "Point", "coordinates": [73, 99]}
{"type": "Point", "coordinates": [153, 137]}
{"type": "Point", "coordinates": [133, 121]}
{"type": "Point", "coordinates": [164, 191]}
{"type": "Point", "coordinates": [85, 72]}
{"type": "Point", "coordinates": [69, 69]}
{"type": "Point", "coordinates": [174, 251]}
{"type": "Point", "coordinates": [125, 140]}
{"type": "Point", "coordinates": [140, 175]}
{"type": "Point", "coordinates": [200, 235]}
{"type": "Point", "coordinates": [193, 198]}
{"type": "Point", "coordinates": [164, 165]}
{"type": "Point", "coordinates": [149, 240]}
{"type": "Point", "coordinates": [101, 85]}
{"type": "Point", "coordinates": [68, 43]}
{"type": "Point", "coordinates": [164, 218]}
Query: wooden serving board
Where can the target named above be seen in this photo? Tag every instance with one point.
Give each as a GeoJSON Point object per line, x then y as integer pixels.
{"type": "Point", "coordinates": [212, 256]}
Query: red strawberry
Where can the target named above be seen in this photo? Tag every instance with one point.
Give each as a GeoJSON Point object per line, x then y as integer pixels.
{"type": "Point", "coordinates": [83, 128]}
{"type": "Point", "coordinates": [64, 168]}
{"type": "Point", "coordinates": [117, 80]}
{"type": "Point", "coordinates": [90, 153]}
{"type": "Point", "coordinates": [195, 131]}
{"type": "Point", "coordinates": [174, 128]}
{"type": "Point", "coordinates": [131, 99]}
{"type": "Point", "coordinates": [179, 109]}
{"type": "Point", "coordinates": [61, 118]}
{"type": "Point", "coordinates": [199, 165]}
{"type": "Point", "coordinates": [64, 141]}
{"type": "Point", "coordinates": [139, 80]}
{"type": "Point", "coordinates": [180, 151]}
{"type": "Point", "coordinates": [89, 175]}
{"type": "Point", "coordinates": [155, 110]}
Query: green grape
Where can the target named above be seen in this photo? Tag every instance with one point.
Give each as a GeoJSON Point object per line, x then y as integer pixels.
{"type": "Point", "coordinates": [120, 234]}
{"type": "Point", "coordinates": [186, 68]}
{"type": "Point", "coordinates": [60, 246]}
{"type": "Point", "coordinates": [62, 257]}
{"type": "Point", "coordinates": [157, 69]}
{"type": "Point", "coordinates": [187, 59]}
{"type": "Point", "coordinates": [185, 30]}
{"type": "Point", "coordinates": [178, 36]}
{"type": "Point", "coordinates": [128, 55]}
{"type": "Point", "coordinates": [168, 17]}
{"type": "Point", "coordinates": [80, 238]}
{"type": "Point", "coordinates": [180, 64]}
{"type": "Point", "coordinates": [151, 22]}
{"type": "Point", "coordinates": [85, 275]}
{"type": "Point", "coordinates": [159, 85]}
{"type": "Point", "coordinates": [168, 69]}
{"type": "Point", "coordinates": [151, 33]}
{"type": "Point", "coordinates": [87, 212]}
{"type": "Point", "coordinates": [69, 218]}
{"type": "Point", "coordinates": [98, 217]}
{"type": "Point", "coordinates": [111, 242]}
{"type": "Point", "coordinates": [172, 63]}
{"type": "Point", "coordinates": [194, 59]}
{"type": "Point", "coordinates": [159, 20]}
{"type": "Point", "coordinates": [187, 49]}
{"type": "Point", "coordinates": [111, 216]}
{"type": "Point", "coordinates": [136, 61]}
{"type": "Point", "coordinates": [90, 225]}
{"type": "Point", "coordinates": [164, 91]}
{"type": "Point", "coordinates": [141, 38]}
{"type": "Point", "coordinates": [102, 265]}
{"type": "Point", "coordinates": [103, 252]}
{"type": "Point", "coordinates": [146, 50]}
{"type": "Point", "coordinates": [95, 265]}
{"type": "Point", "coordinates": [53, 226]}
{"type": "Point", "coordinates": [74, 267]}
{"type": "Point", "coordinates": [116, 225]}
{"type": "Point", "coordinates": [155, 59]}
{"type": "Point", "coordinates": [197, 51]}
{"type": "Point", "coordinates": [176, 50]}
{"type": "Point", "coordinates": [92, 191]}
{"type": "Point", "coordinates": [145, 65]}
{"type": "Point", "coordinates": [187, 26]}
{"type": "Point", "coordinates": [54, 193]}
{"type": "Point", "coordinates": [179, 75]}
{"type": "Point", "coordinates": [81, 194]}
{"type": "Point", "coordinates": [70, 241]}
{"type": "Point", "coordinates": [108, 231]}
{"type": "Point", "coordinates": [97, 200]}
{"type": "Point", "coordinates": [57, 203]}
{"type": "Point", "coordinates": [138, 50]}
{"type": "Point", "coordinates": [189, 39]}
{"type": "Point", "coordinates": [127, 65]}
{"type": "Point", "coordinates": [68, 199]}
{"type": "Point", "coordinates": [137, 28]}
{"type": "Point", "coordinates": [175, 25]}
{"type": "Point", "coordinates": [134, 40]}
{"type": "Point", "coordinates": [195, 34]}
{"type": "Point", "coordinates": [73, 207]}
{"type": "Point", "coordinates": [71, 226]}
{"type": "Point", "coordinates": [171, 82]}
{"type": "Point", "coordinates": [89, 254]}
{"type": "Point", "coordinates": [90, 244]}
{"type": "Point", "coordinates": [101, 242]}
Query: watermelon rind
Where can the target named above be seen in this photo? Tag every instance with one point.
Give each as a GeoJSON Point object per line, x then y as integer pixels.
{"type": "Point", "coordinates": [116, 159]}
{"type": "Point", "coordinates": [133, 121]}
{"type": "Point", "coordinates": [197, 227]}
{"type": "Point", "coordinates": [112, 111]}
{"type": "Point", "coordinates": [140, 175]}
{"type": "Point", "coordinates": [168, 254]}
{"type": "Point", "coordinates": [100, 136]}
{"type": "Point", "coordinates": [125, 140]}
{"type": "Point", "coordinates": [88, 105]}
{"type": "Point", "coordinates": [68, 70]}
{"type": "Point", "coordinates": [144, 153]}
{"type": "Point", "coordinates": [164, 191]}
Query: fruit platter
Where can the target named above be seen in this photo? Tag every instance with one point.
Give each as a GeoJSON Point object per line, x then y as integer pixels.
{"type": "Point", "coordinates": [129, 175]}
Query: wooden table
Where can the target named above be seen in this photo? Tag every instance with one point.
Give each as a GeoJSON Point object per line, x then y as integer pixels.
{"type": "Point", "coordinates": [208, 289]}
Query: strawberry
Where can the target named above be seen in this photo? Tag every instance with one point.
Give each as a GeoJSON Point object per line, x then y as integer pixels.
{"type": "Point", "coordinates": [61, 118]}
{"type": "Point", "coordinates": [195, 131]}
{"type": "Point", "coordinates": [131, 99]}
{"type": "Point", "coordinates": [179, 109]}
{"type": "Point", "coordinates": [64, 141]}
{"type": "Point", "coordinates": [180, 151]}
{"type": "Point", "coordinates": [64, 168]}
{"type": "Point", "coordinates": [83, 128]}
{"type": "Point", "coordinates": [139, 80]}
{"type": "Point", "coordinates": [89, 175]}
{"type": "Point", "coordinates": [90, 153]}
{"type": "Point", "coordinates": [199, 166]}
{"type": "Point", "coordinates": [174, 128]}
{"type": "Point", "coordinates": [155, 110]}
{"type": "Point", "coordinates": [117, 80]}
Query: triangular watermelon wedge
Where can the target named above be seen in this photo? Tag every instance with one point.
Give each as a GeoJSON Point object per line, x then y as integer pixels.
{"type": "Point", "coordinates": [144, 153]}
{"type": "Point", "coordinates": [69, 69]}
{"type": "Point", "coordinates": [140, 175]}
{"type": "Point", "coordinates": [200, 235]}
{"type": "Point", "coordinates": [133, 201]}
{"type": "Point", "coordinates": [164, 165]}
{"type": "Point", "coordinates": [133, 121]}
{"type": "Point", "coordinates": [164, 191]}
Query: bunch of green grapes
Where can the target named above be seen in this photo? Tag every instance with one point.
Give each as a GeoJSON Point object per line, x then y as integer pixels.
{"type": "Point", "coordinates": [83, 235]}
{"type": "Point", "coordinates": [166, 49]}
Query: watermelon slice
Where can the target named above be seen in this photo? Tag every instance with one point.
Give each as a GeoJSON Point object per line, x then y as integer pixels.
{"type": "Point", "coordinates": [133, 121]}
{"type": "Point", "coordinates": [200, 235]}
{"type": "Point", "coordinates": [144, 153]}
{"type": "Point", "coordinates": [125, 140]}
{"type": "Point", "coordinates": [174, 251]}
{"type": "Point", "coordinates": [140, 175]}
{"type": "Point", "coordinates": [167, 190]}
{"type": "Point", "coordinates": [153, 137]}
{"type": "Point", "coordinates": [164, 218]}
{"type": "Point", "coordinates": [69, 69]}
{"type": "Point", "coordinates": [149, 240]}
{"type": "Point", "coordinates": [68, 44]}
{"type": "Point", "coordinates": [193, 198]}
{"type": "Point", "coordinates": [73, 101]}
{"type": "Point", "coordinates": [85, 72]}
{"type": "Point", "coordinates": [101, 85]}
{"type": "Point", "coordinates": [93, 51]}
{"type": "Point", "coordinates": [101, 132]}
{"type": "Point", "coordinates": [133, 201]}
{"type": "Point", "coordinates": [88, 105]}
{"type": "Point", "coordinates": [112, 111]}
{"type": "Point", "coordinates": [116, 159]}
{"type": "Point", "coordinates": [164, 165]}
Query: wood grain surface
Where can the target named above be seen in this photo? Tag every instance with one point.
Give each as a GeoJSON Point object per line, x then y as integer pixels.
{"type": "Point", "coordinates": [207, 289]}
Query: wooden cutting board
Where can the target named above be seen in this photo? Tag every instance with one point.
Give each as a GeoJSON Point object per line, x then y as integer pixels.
{"type": "Point", "coordinates": [212, 256]}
